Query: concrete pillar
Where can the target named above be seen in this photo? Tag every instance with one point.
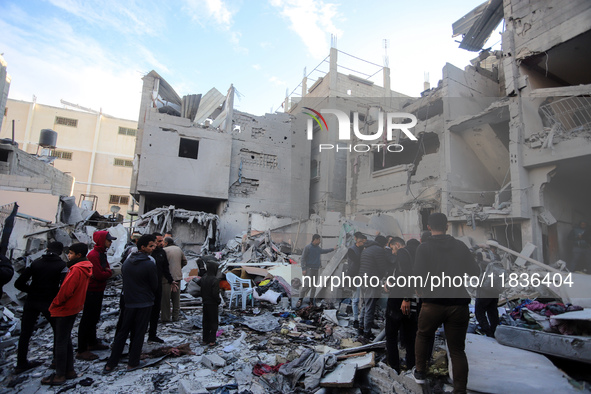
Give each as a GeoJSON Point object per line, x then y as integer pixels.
{"type": "Point", "coordinates": [332, 72]}
{"type": "Point", "coordinates": [387, 87]}
{"type": "Point", "coordinates": [29, 124]}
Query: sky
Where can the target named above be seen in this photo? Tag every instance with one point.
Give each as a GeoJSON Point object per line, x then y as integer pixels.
{"type": "Point", "coordinates": [94, 52]}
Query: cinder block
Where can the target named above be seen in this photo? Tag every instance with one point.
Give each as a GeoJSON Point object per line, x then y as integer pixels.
{"type": "Point", "coordinates": [191, 387]}
{"type": "Point", "coordinates": [213, 361]}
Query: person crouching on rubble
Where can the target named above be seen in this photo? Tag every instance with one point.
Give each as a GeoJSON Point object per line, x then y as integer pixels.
{"type": "Point", "coordinates": [210, 293]}
{"type": "Point", "coordinates": [140, 283]}
{"type": "Point", "coordinates": [101, 271]}
{"type": "Point", "coordinates": [64, 309]}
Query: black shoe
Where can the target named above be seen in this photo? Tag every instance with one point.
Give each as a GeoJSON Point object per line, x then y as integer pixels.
{"type": "Point", "coordinates": [155, 339]}
{"type": "Point", "coordinates": [28, 366]}
{"type": "Point", "coordinates": [419, 377]}
{"type": "Point", "coordinates": [356, 324]}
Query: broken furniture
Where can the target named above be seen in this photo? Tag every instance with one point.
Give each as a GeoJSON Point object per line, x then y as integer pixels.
{"type": "Point", "coordinates": [238, 289]}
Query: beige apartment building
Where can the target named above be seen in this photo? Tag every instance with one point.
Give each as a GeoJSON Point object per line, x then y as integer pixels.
{"type": "Point", "coordinates": [94, 148]}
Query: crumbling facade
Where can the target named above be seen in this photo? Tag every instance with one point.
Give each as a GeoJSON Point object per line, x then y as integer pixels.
{"type": "Point", "coordinates": [503, 145]}
{"type": "Point", "coordinates": [200, 154]}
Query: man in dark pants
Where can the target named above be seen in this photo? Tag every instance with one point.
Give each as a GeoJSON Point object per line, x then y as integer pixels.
{"type": "Point", "coordinates": [441, 254]}
{"type": "Point", "coordinates": [210, 292]}
{"type": "Point", "coordinates": [374, 262]}
{"type": "Point", "coordinates": [46, 273]}
{"type": "Point", "coordinates": [159, 254]}
{"type": "Point", "coordinates": [140, 283]}
{"type": "Point", "coordinates": [486, 306]}
{"type": "Point", "coordinates": [101, 271]}
{"type": "Point", "coordinates": [353, 259]}
{"type": "Point", "coordinates": [401, 310]}
{"type": "Point", "coordinates": [311, 264]}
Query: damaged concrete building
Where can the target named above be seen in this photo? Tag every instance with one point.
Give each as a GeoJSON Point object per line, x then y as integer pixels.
{"type": "Point", "coordinates": [199, 153]}
{"type": "Point", "coordinates": [503, 145]}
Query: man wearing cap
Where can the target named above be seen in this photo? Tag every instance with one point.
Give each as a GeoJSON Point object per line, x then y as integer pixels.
{"type": "Point", "coordinates": [101, 271]}
{"type": "Point", "coordinates": [439, 255]}
{"type": "Point", "coordinates": [45, 275]}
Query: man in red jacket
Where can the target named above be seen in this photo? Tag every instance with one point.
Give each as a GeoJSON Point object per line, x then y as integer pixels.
{"type": "Point", "coordinates": [64, 308]}
{"type": "Point", "coordinates": [101, 271]}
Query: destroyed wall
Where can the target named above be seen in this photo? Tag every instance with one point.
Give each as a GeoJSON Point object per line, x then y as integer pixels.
{"type": "Point", "coordinates": [267, 174]}
{"type": "Point", "coordinates": [19, 171]}
{"type": "Point", "coordinates": [546, 66]}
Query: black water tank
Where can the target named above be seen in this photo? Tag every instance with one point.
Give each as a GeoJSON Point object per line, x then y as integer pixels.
{"type": "Point", "coordinates": [48, 138]}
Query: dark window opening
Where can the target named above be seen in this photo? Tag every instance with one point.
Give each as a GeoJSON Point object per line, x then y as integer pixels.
{"type": "Point", "coordinates": [118, 200]}
{"type": "Point", "coordinates": [188, 148]}
{"type": "Point", "coordinates": [66, 121]}
{"type": "Point", "coordinates": [4, 155]}
{"type": "Point", "coordinates": [425, 212]}
{"type": "Point", "coordinates": [411, 154]}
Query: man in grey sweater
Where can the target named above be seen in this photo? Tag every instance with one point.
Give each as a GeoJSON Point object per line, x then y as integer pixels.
{"type": "Point", "coordinates": [311, 264]}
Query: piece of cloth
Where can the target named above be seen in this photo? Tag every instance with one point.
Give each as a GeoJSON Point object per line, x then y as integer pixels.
{"type": "Point", "coordinates": [72, 294]}
{"type": "Point", "coordinates": [311, 365]}
{"type": "Point", "coordinates": [93, 304]}
{"type": "Point", "coordinates": [176, 261]}
{"type": "Point", "coordinates": [455, 320]}
{"type": "Point", "coordinates": [101, 271]}
{"type": "Point", "coordinates": [31, 311]}
{"type": "Point", "coordinates": [395, 321]}
{"type": "Point", "coordinates": [134, 320]}
{"type": "Point", "coordinates": [262, 369]}
{"type": "Point", "coordinates": [487, 314]}
{"type": "Point", "coordinates": [210, 322]}
{"type": "Point", "coordinates": [311, 256]}
{"type": "Point", "coordinates": [64, 352]}
{"type": "Point", "coordinates": [443, 254]}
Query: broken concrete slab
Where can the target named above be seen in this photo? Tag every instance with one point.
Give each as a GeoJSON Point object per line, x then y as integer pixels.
{"type": "Point", "coordinates": [571, 347]}
{"type": "Point", "coordinates": [187, 386]}
{"type": "Point", "coordinates": [342, 376]}
{"type": "Point", "coordinates": [362, 362]}
{"type": "Point", "coordinates": [495, 368]}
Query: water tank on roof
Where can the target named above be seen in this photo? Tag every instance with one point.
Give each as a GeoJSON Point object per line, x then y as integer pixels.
{"type": "Point", "coordinates": [48, 138]}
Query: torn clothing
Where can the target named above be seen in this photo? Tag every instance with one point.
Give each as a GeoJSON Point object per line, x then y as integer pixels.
{"type": "Point", "coordinates": [310, 365]}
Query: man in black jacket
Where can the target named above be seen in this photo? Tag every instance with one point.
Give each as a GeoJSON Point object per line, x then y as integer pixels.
{"type": "Point", "coordinates": [46, 274]}
{"type": "Point", "coordinates": [210, 293]}
{"type": "Point", "coordinates": [140, 283]}
{"type": "Point", "coordinates": [373, 265]}
{"type": "Point", "coordinates": [443, 255]}
{"type": "Point", "coordinates": [401, 311]}
{"type": "Point", "coordinates": [163, 275]}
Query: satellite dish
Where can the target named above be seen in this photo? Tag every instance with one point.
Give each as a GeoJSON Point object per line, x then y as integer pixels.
{"type": "Point", "coordinates": [115, 208]}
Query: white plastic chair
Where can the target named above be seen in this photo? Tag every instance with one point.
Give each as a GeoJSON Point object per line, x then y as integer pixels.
{"type": "Point", "coordinates": [238, 289]}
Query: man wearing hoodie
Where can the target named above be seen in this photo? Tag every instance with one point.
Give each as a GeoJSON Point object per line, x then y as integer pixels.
{"type": "Point", "coordinates": [64, 308]}
{"type": "Point", "coordinates": [440, 255]}
{"type": "Point", "coordinates": [374, 262]}
{"type": "Point", "coordinates": [210, 293]}
{"type": "Point", "coordinates": [46, 273]}
{"type": "Point", "coordinates": [140, 283]}
{"type": "Point", "coordinates": [101, 271]}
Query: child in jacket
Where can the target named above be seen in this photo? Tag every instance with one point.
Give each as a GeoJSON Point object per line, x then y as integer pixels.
{"type": "Point", "coordinates": [64, 308]}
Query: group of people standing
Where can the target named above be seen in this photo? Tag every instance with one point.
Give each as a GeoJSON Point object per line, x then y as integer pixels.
{"type": "Point", "coordinates": [59, 290]}
{"type": "Point", "coordinates": [416, 315]}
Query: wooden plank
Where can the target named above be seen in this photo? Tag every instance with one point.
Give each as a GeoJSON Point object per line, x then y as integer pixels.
{"type": "Point", "coordinates": [342, 376]}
